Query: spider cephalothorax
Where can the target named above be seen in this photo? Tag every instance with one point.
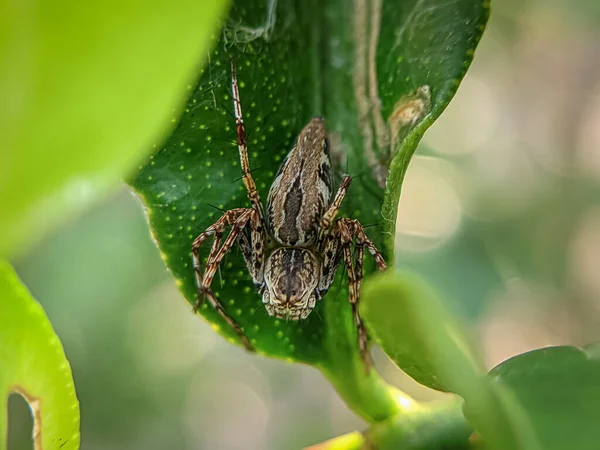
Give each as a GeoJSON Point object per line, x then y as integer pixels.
{"type": "Point", "coordinates": [291, 277]}
{"type": "Point", "coordinates": [307, 242]}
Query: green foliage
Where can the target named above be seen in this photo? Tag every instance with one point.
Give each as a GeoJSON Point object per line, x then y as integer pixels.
{"type": "Point", "coordinates": [91, 112]}
{"type": "Point", "coordinates": [33, 364]}
{"type": "Point", "coordinates": [86, 87]}
{"type": "Point", "coordinates": [296, 61]}
{"type": "Point", "coordinates": [411, 326]}
{"type": "Point", "coordinates": [559, 389]}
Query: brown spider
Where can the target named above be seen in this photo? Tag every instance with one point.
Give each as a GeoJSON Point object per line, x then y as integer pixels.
{"type": "Point", "coordinates": [304, 240]}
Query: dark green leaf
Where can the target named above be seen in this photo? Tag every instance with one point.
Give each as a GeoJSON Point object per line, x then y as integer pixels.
{"type": "Point", "coordinates": [409, 323]}
{"type": "Point", "coordinates": [85, 88]}
{"type": "Point", "coordinates": [559, 387]}
{"type": "Point", "coordinates": [296, 60]}
{"type": "Point", "coordinates": [33, 364]}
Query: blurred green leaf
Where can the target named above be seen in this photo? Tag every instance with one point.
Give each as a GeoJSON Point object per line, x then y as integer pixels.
{"type": "Point", "coordinates": [33, 364]}
{"type": "Point", "coordinates": [297, 60]}
{"type": "Point", "coordinates": [411, 326]}
{"type": "Point", "coordinates": [86, 87]}
{"type": "Point", "coordinates": [91, 274]}
{"type": "Point", "coordinates": [559, 387]}
{"type": "Point", "coordinates": [408, 322]}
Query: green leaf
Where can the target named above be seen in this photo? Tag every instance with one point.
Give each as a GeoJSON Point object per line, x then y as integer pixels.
{"type": "Point", "coordinates": [295, 61]}
{"type": "Point", "coordinates": [86, 87]}
{"type": "Point", "coordinates": [33, 364]}
{"type": "Point", "coordinates": [409, 323]}
{"type": "Point", "coordinates": [559, 387]}
{"type": "Point", "coordinates": [433, 46]}
{"type": "Point", "coordinates": [411, 326]}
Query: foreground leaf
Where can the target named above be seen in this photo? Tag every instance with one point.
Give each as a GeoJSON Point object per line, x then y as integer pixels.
{"type": "Point", "coordinates": [559, 387]}
{"type": "Point", "coordinates": [411, 326]}
{"type": "Point", "coordinates": [295, 61]}
{"type": "Point", "coordinates": [86, 87]}
{"type": "Point", "coordinates": [33, 364]}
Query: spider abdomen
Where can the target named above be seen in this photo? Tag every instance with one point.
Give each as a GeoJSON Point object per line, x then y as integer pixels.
{"type": "Point", "coordinates": [302, 189]}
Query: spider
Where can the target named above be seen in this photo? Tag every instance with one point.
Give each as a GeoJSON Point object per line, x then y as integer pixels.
{"type": "Point", "coordinates": [293, 248]}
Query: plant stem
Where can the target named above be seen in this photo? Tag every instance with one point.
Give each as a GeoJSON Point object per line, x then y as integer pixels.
{"type": "Point", "coordinates": [437, 426]}
{"type": "Point", "coordinates": [369, 396]}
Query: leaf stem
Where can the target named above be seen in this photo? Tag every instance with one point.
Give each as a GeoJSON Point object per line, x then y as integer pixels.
{"type": "Point", "coordinates": [437, 426]}
{"type": "Point", "coordinates": [368, 395]}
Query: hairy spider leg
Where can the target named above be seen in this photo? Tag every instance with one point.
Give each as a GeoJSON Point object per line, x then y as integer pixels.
{"type": "Point", "coordinates": [362, 239]}
{"type": "Point", "coordinates": [237, 220]}
{"type": "Point", "coordinates": [251, 243]}
{"type": "Point", "coordinates": [328, 242]}
{"type": "Point", "coordinates": [331, 258]}
{"type": "Point", "coordinates": [349, 230]}
{"type": "Point", "coordinates": [325, 226]}
{"type": "Point", "coordinates": [242, 146]}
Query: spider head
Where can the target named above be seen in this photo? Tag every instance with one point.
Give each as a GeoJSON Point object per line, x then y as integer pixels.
{"type": "Point", "coordinates": [291, 277]}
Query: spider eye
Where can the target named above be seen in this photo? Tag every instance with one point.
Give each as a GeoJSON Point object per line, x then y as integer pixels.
{"type": "Point", "coordinates": [294, 292]}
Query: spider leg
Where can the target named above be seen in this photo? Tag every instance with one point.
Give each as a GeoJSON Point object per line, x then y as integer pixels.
{"type": "Point", "coordinates": [325, 226]}
{"type": "Point", "coordinates": [217, 229]}
{"type": "Point", "coordinates": [237, 219]}
{"type": "Point", "coordinates": [242, 145]}
{"type": "Point", "coordinates": [363, 240]}
{"type": "Point", "coordinates": [332, 256]}
{"type": "Point", "coordinates": [252, 244]}
{"type": "Point", "coordinates": [354, 281]}
{"type": "Point", "coordinates": [349, 230]}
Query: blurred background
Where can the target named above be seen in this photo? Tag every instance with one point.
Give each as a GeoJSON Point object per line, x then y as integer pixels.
{"type": "Point", "coordinates": [500, 211]}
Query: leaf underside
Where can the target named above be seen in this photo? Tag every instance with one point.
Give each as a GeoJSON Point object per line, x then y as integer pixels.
{"type": "Point", "coordinates": [296, 60]}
